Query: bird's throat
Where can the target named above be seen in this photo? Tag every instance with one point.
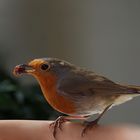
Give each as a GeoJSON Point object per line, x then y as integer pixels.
{"type": "Point", "coordinates": [58, 102]}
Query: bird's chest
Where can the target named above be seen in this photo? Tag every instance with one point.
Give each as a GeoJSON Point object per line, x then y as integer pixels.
{"type": "Point", "coordinates": [58, 102]}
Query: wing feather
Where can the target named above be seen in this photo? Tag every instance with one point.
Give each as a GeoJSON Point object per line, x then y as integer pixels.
{"type": "Point", "coordinates": [78, 83]}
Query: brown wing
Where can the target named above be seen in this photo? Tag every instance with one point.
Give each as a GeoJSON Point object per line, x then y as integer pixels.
{"type": "Point", "coordinates": [83, 83]}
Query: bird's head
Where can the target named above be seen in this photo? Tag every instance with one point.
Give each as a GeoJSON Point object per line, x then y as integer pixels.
{"type": "Point", "coordinates": [43, 67]}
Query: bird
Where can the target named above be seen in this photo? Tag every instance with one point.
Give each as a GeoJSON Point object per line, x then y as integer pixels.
{"type": "Point", "coordinates": [74, 91]}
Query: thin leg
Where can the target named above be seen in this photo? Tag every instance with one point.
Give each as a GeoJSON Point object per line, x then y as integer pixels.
{"type": "Point", "coordinates": [89, 125]}
{"type": "Point", "coordinates": [57, 124]}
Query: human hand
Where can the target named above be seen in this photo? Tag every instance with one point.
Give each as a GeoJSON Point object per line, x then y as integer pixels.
{"type": "Point", "coordinates": [39, 130]}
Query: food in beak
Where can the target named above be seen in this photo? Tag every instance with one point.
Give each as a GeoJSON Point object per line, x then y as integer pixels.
{"type": "Point", "coordinates": [23, 68]}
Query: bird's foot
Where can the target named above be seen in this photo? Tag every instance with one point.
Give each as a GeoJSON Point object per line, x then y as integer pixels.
{"type": "Point", "coordinates": [57, 124]}
{"type": "Point", "coordinates": [89, 125]}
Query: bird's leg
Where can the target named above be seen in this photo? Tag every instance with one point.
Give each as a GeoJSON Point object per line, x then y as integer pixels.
{"type": "Point", "coordinates": [89, 125]}
{"type": "Point", "coordinates": [57, 124]}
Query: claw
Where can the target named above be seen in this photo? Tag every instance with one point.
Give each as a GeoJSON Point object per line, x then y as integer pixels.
{"type": "Point", "coordinates": [57, 124]}
{"type": "Point", "coordinates": [88, 126]}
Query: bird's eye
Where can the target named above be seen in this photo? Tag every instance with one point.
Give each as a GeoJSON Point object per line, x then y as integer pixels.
{"type": "Point", "coordinates": [44, 66]}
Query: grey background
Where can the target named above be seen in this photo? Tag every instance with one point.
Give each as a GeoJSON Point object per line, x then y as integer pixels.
{"type": "Point", "coordinates": [103, 35]}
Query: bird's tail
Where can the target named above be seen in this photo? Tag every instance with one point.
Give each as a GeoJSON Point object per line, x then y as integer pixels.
{"type": "Point", "coordinates": [132, 89]}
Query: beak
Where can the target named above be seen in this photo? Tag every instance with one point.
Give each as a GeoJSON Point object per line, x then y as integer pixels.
{"type": "Point", "coordinates": [23, 68]}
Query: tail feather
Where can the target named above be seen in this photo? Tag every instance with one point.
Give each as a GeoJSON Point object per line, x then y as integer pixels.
{"type": "Point", "coordinates": [131, 92]}
{"type": "Point", "coordinates": [133, 89]}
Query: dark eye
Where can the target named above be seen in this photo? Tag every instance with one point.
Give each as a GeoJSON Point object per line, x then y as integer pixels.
{"type": "Point", "coordinates": [44, 66]}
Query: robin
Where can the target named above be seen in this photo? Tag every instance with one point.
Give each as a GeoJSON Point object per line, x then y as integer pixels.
{"type": "Point", "coordinates": [75, 91]}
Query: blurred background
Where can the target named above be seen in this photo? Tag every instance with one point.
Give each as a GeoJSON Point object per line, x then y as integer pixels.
{"type": "Point", "coordinates": [101, 35]}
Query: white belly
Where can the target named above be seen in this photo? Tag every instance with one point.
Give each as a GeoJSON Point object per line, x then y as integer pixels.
{"type": "Point", "coordinates": [124, 98]}
{"type": "Point", "coordinates": [95, 106]}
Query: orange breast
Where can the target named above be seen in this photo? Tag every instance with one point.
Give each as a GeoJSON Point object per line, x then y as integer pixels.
{"type": "Point", "coordinates": [60, 103]}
